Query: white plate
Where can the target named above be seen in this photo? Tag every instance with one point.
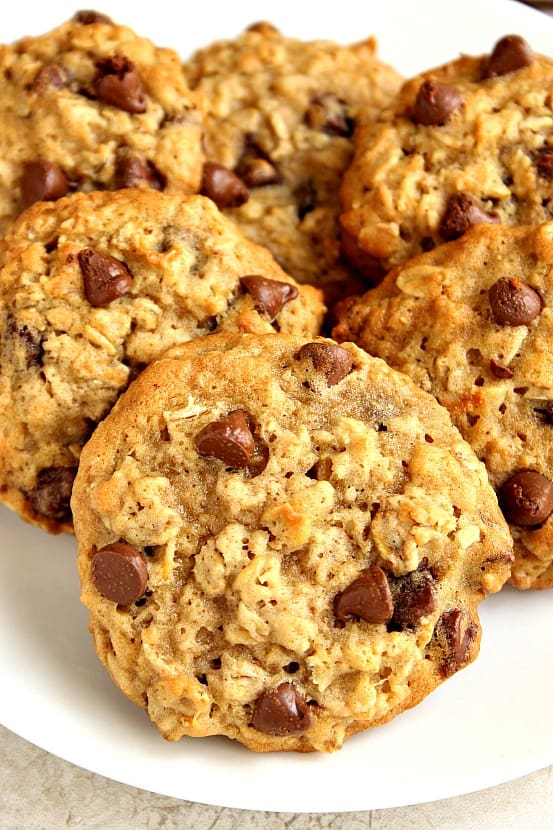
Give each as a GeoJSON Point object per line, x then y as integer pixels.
{"type": "Point", "coordinates": [488, 724]}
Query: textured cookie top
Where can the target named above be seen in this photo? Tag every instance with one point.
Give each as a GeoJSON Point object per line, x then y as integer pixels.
{"type": "Point", "coordinates": [472, 322]}
{"type": "Point", "coordinates": [93, 287]}
{"type": "Point", "coordinates": [283, 541]}
{"type": "Point", "coordinates": [93, 106]}
{"type": "Point", "coordinates": [280, 115]}
{"type": "Point", "coordinates": [468, 142]}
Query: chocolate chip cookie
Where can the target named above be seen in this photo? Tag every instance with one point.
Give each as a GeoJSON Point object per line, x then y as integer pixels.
{"type": "Point", "coordinates": [283, 541]}
{"type": "Point", "coordinates": [471, 322]}
{"type": "Point", "coordinates": [468, 142]}
{"type": "Point", "coordinates": [92, 288]}
{"type": "Point", "coordinates": [279, 123]}
{"type": "Point", "coordinates": [93, 106]}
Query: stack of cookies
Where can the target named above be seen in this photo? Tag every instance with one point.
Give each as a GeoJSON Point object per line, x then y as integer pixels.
{"type": "Point", "coordinates": [274, 330]}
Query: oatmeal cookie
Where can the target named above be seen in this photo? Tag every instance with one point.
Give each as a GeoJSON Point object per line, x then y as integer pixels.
{"type": "Point", "coordinates": [283, 541]}
{"type": "Point", "coordinates": [472, 322]}
{"type": "Point", "coordinates": [468, 142]}
{"type": "Point", "coordinates": [93, 106]}
{"type": "Point", "coordinates": [92, 288]}
{"type": "Point", "coordinates": [280, 114]}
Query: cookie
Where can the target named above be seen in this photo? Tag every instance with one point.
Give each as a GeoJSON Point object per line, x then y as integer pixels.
{"type": "Point", "coordinates": [92, 288]}
{"type": "Point", "coordinates": [471, 322]}
{"type": "Point", "coordinates": [280, 114]}
{"type": "Point", "coordinates": [468, 142]}
{"type": "Point", "coordinates": [283, 541]}
{"type": "Point", "coordinates": [93, 106]}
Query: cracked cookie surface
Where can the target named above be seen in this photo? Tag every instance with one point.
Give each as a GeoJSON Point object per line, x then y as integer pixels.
{"type": "Point", "coordinates": [92, 288]}
{"type": "Point", "coordinates": [280, 114]}
{"type": "Point", "coordinates": [93, 106]}
{"type": "Point", "coordinates": [283, 541]}
{"type": "Point", "coordinates": [467, 142]}
{"type": "Point", "coordinates": [472, 322]}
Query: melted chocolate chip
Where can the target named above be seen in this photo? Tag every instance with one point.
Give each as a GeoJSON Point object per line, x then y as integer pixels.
{"type": "Point", "coordinates": [414, 597]}
{"type": "Point", "coordinates": [49, 76]}
{"type": "Point", "coordinates": [435, 103]}
{"type": "Point", "coordinates": [328, 113]}
{"type": "Point", "coordinates": [255, 171]}
{"type": "Point", "coordinates": [52, 493]}
{"type": "Point", "coordinates": [43, 181]}
{"type": "Point", "coordinates": [105, 278]}
{"type": "Point", "coordinates": [282, 711]}
{"type": "Point", "coordinates": [223, 186]}
{"type": "Point", "coordinates": [544, 163]}
{"type": "Point", "coordinates": [500, 371]}
{"type": "Point", "coordinates": [270, 295]}
{"type": "Point", "coordinates": [513, 303]}
{"type": "Point", "coordinates": [367, 598]}
{"type": "Point", "coordinates": [132, 171]}
{"type": "Point", "coordinates": [332, 360]}
{"type": "Point", "coordinates": [462, 212]}
{"type": "Point", "coordinates": [259, 458]}
{"type": "Point", "coordinates": [27, 343]}
{"type": "Point", "coordinates": [526, 498]}
{"type": "Point", "coordinates": [118, 84]}
{"type": "Point", "coordinates": [88, 16]}
{"type": "Point", "coordinates": [510, 53]}
{"type": "Point", "coordinates": [229, 439]}
{"type": "Point", "coordinates": [120, 573]}
{"type": "Point", "coordinates": [456, 641]}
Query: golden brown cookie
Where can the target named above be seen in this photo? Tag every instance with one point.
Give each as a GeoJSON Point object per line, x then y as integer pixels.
{"type": "Point", "coordinates": [92, 288]}
{"type": "Point", "coordinates": [468, 142]}
{"type": "Point", "coordinates": [472, 322]}
{"type": "Point", "coordinates": [280, 114]}
{"type": "Point", "coordinates": [283, 541]}
{"type": "Point", "coordinates": [93, 106]}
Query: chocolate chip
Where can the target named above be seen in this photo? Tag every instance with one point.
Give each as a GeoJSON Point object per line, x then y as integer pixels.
{"type": "Point", "coordinates": [105, 278]}
{"type": "Point", "coordinates": [282, 711]}
{"type": "Point", "coordinates": [49, 76]}
{"type": "Point", "coordinates": [513, 303]}
{"type": "Point", "coordinates": [367, 598]}
{"type": "Point", "coordinates": [270, 295]}
{"type": "Point", "coordinates": [52, 493]}
{"type": "Point", "coordinates": [132, 171]}
{"type": "Point", "coordinates": [305, 196]}
{"type": "Point", "coordinates": [257, 172]}
{"type": "Point", "coordinates": [462, 212]}
{"type": "Point", "coordinates": [449, 629]}
{"type": "Point", "coordinates": [88, 16]}
{"type": "Point", "coordinates": [328, 113]}
{"type": "Point", "coordinates": [526, 498]}
{"type": "Point", "coordinates": [223, 186]}
{"type": "Point", "coordinates": [332, 360]}
{"type": "Point", "coordinates": [43, 181]}
{"type": "Point", "coordinates": [120, 573]}
{"type": "Point", "coordinates": [510, 53]}
{"type": "Point", "coordinates": [118, 83]}
{"type": "Point", "coordinates": [435, 103]}
{"type": "Point", "coordinates": [229, 439]}
{"type": "Point", "coordinates": [414, 597]}
{"type": "Point", "coordinates": [500, 371]}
